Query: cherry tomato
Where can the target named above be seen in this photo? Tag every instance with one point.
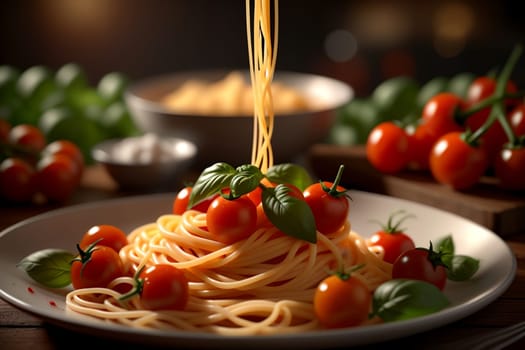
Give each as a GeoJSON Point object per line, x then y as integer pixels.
{"type": "Point", "coordinates": [96, 267]}
{"type": "Point", "coordinates": [231, 220]}
{"type": "Point", "coordinates": [419, 145]}
{"type": "Point", "coordinates": [256, 194]}
{"type": "Point", "coordinates": [387, 147]}
{"type": "Point", "coordinates": [455, 163]}
{"type": "Point", "coordinates": [57, 177]}
{"type": "Point", "coordinates": [67, 148]}
{"type": "Point", "coordinates": [517, 120]}
{"type": "Point", "coordinates": [342, 301]}
{"type": "Point", "coordinates": [180, 203]}
{"type": "Point", "coordinates": [164, 287]}
{"type": "Point", "coordinates": [509, 168]}
{"type": "Point", "coordinates": [439, 114]}
{"type": "Point", "coordinates": [421, 264]}
{"type": "Point", "coordinates": [329, 204]}
{"type": "Point", "coordinates": [107, 235]}
{"type": "Point", "coordinates": [262, 219]}
{"type": "Point", "coordinates": [484, 87]}
{"type": "Point", "coordinates": [392, 239]}
{"type": "Point", "coordinates": [27, 136]}
{"type": "Point", "coordinates": [17, 180]}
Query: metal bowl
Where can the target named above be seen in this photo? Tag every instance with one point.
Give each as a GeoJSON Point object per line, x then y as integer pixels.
{"type": "Point", "coordinates": [228, 138]}
{"type": "Point", "coordinates": [170, 158]}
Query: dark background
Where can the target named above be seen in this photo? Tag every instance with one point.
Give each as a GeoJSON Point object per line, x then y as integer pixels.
{"type": "Point", "coordinates": [148, 37]}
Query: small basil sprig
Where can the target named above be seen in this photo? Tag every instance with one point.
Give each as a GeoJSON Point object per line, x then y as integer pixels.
{"type": "Point", "coordinates": [403, 299]}
{"type": "Point", "coordinates": [459, 267]}
{"type": "Point", "coordinates": [49, 267]}
{"type": "Point", "coordinates": [291, 215]}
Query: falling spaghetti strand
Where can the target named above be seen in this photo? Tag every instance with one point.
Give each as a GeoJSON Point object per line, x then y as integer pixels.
{"type": "Point", "coordinates": [262, 52]}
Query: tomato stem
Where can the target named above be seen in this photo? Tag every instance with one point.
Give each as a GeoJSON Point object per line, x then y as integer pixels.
{"type": "Point", "coordinates": [345, 274]}
{"type": "Point", "coordinates": [390, 226]}
{"type": "Point", "coordinates": [333, 189]}
{"type": "Point", "coordinates": [498, 112]}
{"type": "Point", "coordinates": [461, 116]}
{"type": "Point", "coordinates": [137, 289]}
{"type": "Point", "coordinates": [435, 258]}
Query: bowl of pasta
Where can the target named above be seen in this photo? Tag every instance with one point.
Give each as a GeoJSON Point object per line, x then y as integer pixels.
{"type": "Point", "coordinates": [215, 110]}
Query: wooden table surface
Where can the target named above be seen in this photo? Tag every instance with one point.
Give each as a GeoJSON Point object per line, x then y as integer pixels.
{"type": "Point", "coordinates": [20, 330]}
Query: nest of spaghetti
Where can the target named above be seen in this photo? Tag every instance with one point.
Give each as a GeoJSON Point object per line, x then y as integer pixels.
{"type": "Point", "coordinates": [263, 284]}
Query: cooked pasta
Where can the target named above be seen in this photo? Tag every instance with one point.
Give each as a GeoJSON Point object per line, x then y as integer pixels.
{"type": "Point", "coordinates": [231, 96]}
{"type": "Point", "coordinates": [263, 284]}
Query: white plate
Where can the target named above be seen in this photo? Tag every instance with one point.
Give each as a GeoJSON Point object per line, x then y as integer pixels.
{"type": "Point", "coordinates": [62, 228]}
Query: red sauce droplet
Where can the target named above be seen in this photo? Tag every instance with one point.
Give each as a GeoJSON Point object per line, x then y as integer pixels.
{"type": "Point", "coordinates": [52, 303]}
{"type": "Point", "coordinates": [30, 290]}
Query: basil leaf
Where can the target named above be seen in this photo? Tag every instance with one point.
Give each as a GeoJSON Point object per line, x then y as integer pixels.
{"type": "Point", "coordinates": [462, 268]}
{"type": "Point", "coordinates": [211, 181]}
{"type": "Point", "coordinates": [447, 248]}
{"type": "Point", "coordinates": [49, 267]}
{"type": "Point", "coordinates": [446, 245]}
{"type": "Point", "coordinates": [289, 173]}
{"type": "Point", "coordinates": [291, 215]}
{"type": "Point", "coordinates": [245, 180]}
{"type": "Point", "coordinates": [402, 299]}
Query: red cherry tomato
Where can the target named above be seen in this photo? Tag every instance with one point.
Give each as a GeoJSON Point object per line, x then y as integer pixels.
{"type": "Point", "coordinates": [420, 145]}
{"type": "Point", "coordinates": [180, 203]}
{"type": "Point", "coordinates": [421, 264]}
{"type": "Point", "coordinates": [484, 87]}
{"type": "Point", "coordinates": [387, 147]}
{"type": "Point", "coordinates": [342, 301]}
{"type": "Point", "coordinates": [509, 168]}
{"type": "Point", "coordinates": [329, 205]}
{"type": "Point", "coordinates": [231, 220]}
{"type": "Point", "coordinates": [96, 267]}
{"type": "Point", "coordinates": [256, 194]}
{"type": "Point", "coordinates": [67, 148]}
{"type": "Point", "coordinates": [57, 177]}
{"type": "Point", "coordinates": [17, 180]}
{"type": "Point", "coordinates": [392, 239]}
{"type": "Point", "coordinates": [457, 164]}
{"type": "Point", "coordinates": [439, 114]}
{"type": "Point", "coordinates": [517, 120]}
{"type": "Point", "coordinates": [164, 287]}
{"type": "Point", "coordinates": [107, 235]}
{"type": "Point", "coordinates": [27, 136]}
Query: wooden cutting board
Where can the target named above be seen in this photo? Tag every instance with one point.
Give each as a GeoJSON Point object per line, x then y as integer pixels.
{"type": "Point", "coordinates": [501, 211]}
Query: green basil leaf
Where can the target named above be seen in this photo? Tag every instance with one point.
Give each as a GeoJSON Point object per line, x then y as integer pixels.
{"type": "Point", "coordinates": [49, 267]}
{"type": "Point", "coordinates": [245, 180]}
{"type": "Point", "coordinates": [211, 181]}
{"type": "Point", "coordinates": [446, 246]}
{"type": "Point", "coordinates": [462, 268]}
{"type": "Point", "coordinates": [289, 173]}
{"type": "Point", "coordinates": [289, 214]}
{"type": "Point", "coordinates": [402, 299]}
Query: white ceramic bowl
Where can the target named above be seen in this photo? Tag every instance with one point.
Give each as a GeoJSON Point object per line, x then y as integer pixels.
{"type": "Point", "coordinates": [228, 138]}
{"type": "Point", "coordinates": [146, 163]}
